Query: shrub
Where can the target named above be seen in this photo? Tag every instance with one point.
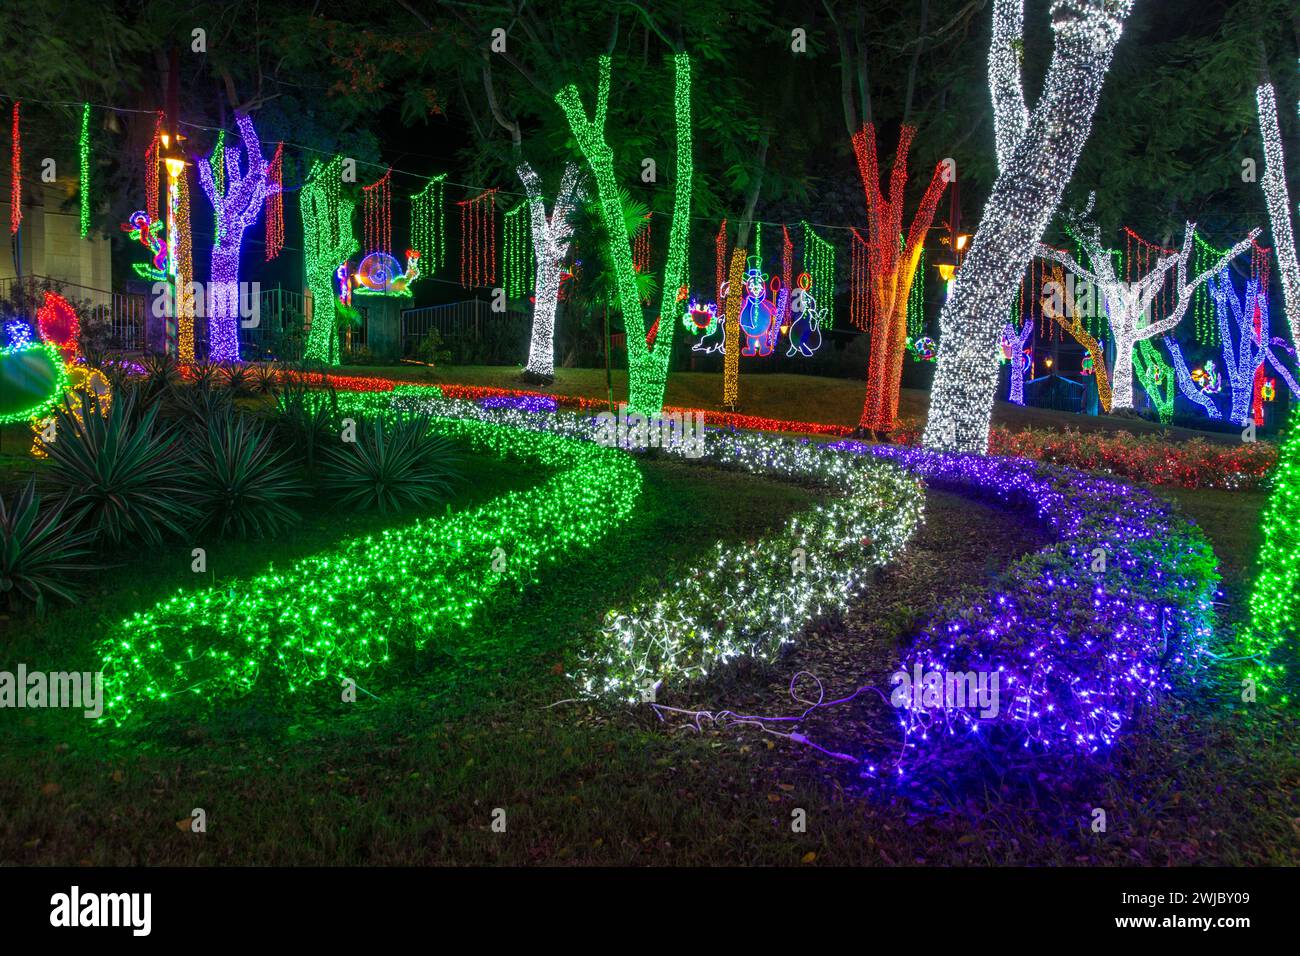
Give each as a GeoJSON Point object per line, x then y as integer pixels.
{"type": "Point", "coordinates": [161, 372]}
{"type": "Point", "coordinates": [239, 483]}
{"type": "Point", "coordinates": [121, 472]}
{"type": "Point", "coordinates": [37, 550]}
{"type": "Point", "coordinates": [306, 418]}
{"type": "Point", "coordinates": [266, 378]}
{"type": "Point", "coordinates": [392, 464]}
{"type": "Point", "coordinates": [237, 377]}
{"type": "Point", "coordinates": [196, 405]}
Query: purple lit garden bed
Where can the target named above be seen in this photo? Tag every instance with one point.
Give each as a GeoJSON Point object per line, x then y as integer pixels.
{"type": "Point", "coordinates": [1081, 634]}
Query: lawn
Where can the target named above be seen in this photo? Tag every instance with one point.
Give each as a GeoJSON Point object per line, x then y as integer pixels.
{"type": "Point", "coordinates": [413, 771]}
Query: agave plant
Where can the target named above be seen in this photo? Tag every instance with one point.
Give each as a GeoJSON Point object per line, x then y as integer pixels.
{"type": "Point", "coordinates": [266, 378]}
{"type": "Point", "coordinates": [394, 463]}
{"type": "Point", "coordinates": [204, 374]}
{"type": "Point", "coordinates": [237, 377]}
{"type": "Point", "coordinates": [121, 472]}
{"type": "Point", "coordinates": [239, 482]}
{"type": "Point", "coordinates": [306, 418]}
{"type": "Point", "coordinates": [161, 372]}
{"type": "Point", "coordinates": [37, 550]}
{"type": "Point", "coordinates": [196, 405]}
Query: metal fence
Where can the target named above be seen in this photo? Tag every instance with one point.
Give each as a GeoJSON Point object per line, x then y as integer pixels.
{"type": "Point", "coordinates": [470, 330]}
{"type": "Point", "coordinates": [121, 313]}
{"type": "Point", "coordinates": [280, 326]}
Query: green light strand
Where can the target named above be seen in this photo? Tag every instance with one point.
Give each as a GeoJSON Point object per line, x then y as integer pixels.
{"type": "Point", "coordinates": [217, 161]}
{"type": "Point", "coordinates": [1205, 320]}
{"type": "Point", "coordinates": [84, 186]}
{"type": "Point", "coordinates": [819, 263]}
{"type": "Point", "coordinates": [342, 612]}
{"type": "Point", "coordinates": [916, 302]}
{"type": "Point", "coordinates": [517, 252]}
{"type": "Point", "coordinates": [647, 365]}
{"type": "Point", "coordinates": [1275, 596]}
{"type": "Point", "coordinates": [328, 241]}
{"type": "Point", "coordinates": [1156, 376]}
{"type": "Point", "coordinates": [428, 223]}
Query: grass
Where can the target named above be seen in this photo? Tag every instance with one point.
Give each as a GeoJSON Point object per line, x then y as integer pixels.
{"type": "Point", "coordinates": [415, 776]}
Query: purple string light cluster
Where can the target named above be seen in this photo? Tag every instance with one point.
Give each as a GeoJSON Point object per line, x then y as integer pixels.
{"type": "Point", "coordinates": [522, 403]}
{"type": "Point", "coordinates": [1081, 634]}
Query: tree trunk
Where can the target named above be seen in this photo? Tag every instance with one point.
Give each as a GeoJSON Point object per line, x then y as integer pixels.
{"type": "Point", "coordinates": [1024, 198]}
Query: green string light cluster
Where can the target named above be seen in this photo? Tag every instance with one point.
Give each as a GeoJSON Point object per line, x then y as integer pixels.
{"type": "Point", "coordinates": [217, 163]}
{"type": "Point", "coordinates": [1156, 376]}
{"type": "Point", "coordinates": [341, 612]}
{"type": "Point", "coordinates": [428, 223]}
{"type": "Point", "coordinates": [750, 600]}
{"type": "Point", "coordinates": [328, 241]}
{"type": "Point", "coordinates": [916, 298]}
{"type": "Point", "coordinates": [1206, 320]}
{"type": "Point", "coordinates": [1275, 598]}
{"type": "Point", "coordinates": [517, 252]}
{"type": "Point", "coordinates": [647, 362]}
{"type": "Point", "coordinates": [819, 263]}
{"type": "Point", "coordinates": [84, 186]}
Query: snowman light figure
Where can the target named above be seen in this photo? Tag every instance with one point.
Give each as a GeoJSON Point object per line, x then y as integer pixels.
{"type": "Point", "coordinates": [805, 333]}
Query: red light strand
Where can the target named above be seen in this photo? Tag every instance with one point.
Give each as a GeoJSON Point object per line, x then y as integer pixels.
{"type": "Point", "coordinates": [377, 202]}
{"type": "Point", "coordinates": [15, 174]}
{"type": "Point", "coordinates": [275, 204]}
{"type": "Point", "coordinates": [478, 240]}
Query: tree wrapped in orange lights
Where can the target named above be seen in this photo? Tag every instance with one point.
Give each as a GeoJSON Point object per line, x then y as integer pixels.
{"type": "Point", "coordinates": [891, 269]}
{"type": "Point", "coordinates": [1059, 306]}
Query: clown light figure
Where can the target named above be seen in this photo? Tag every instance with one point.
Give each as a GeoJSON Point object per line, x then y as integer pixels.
{"type": "Point", "coordinates": [758, 316]}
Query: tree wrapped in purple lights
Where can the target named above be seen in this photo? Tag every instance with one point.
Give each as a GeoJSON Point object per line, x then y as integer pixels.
{"type": "Point", "coordinates": [238, 202]}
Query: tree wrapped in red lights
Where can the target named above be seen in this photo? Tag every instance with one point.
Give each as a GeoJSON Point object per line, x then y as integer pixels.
{"type": "Point", "coordinates": [891, 270]}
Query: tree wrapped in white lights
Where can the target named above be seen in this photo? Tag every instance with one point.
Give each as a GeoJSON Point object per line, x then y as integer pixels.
{"type": "Point", "coordinates": [1037, 153]}
{"type": "Point", "coordinates": [1279, 206]}
{"type": "Point", "coordinates": [550, 245]}
{"type": "Point", "coordinates": [1014, 342]}
{"type": "Point", "coordinates": [1128, 304]}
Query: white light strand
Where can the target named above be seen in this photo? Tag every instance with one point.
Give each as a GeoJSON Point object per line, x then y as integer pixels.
{"type": "Point", "coordinates": [550, 246]}
{"type": "Point", "coordinates": [1279, 206]}
{"type": "Point", "coordinates": [1024, 197]}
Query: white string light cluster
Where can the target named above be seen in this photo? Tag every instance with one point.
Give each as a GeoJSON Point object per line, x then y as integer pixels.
{"type": "Point", "coordinates": [1037, 156]}
{"type": "Point", "coordinates": [1279, 206]}
{"type": "Point", "coordinates": [750, 600]}
{"type": "Point", "coordinates": [1128, 304]}
{"type": "Point", "coordinates": [551, 238]}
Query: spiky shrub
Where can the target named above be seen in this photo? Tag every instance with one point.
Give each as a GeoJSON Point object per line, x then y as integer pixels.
{"type": "Point", "coordinates": [122, 472]}
{"type": "Point", "coordinates": [161, 373]}
{"type": "Point", "coordinates": [38, 550]}
{"type": "Point", "coordinates": [237, 378]}
{"type": "Point", "coordinates": [266, 378]}
{"type": "Point", "coordinates": [393, 464]}
{"type": "Point", "coordinates": [196, 405]}
{"type": "Point", "coordinates": [239, 483]}
{"type": "Point", "coordinates": [306, 419]}
{"type": "Point", "coordinates": [204, 374]}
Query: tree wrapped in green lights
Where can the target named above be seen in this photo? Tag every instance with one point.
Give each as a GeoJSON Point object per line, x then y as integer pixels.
{"type": "Point", "coordinates": [647, 354]}
{"type": "Point", "coordinates": [1275, 599]}
{"type": "Point", "coordinates": [328, 241]}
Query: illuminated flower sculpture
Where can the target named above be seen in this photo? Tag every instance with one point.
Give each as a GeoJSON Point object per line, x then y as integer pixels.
{"type": "Point", "coordinates": [550, 235]}
{"type": "Point", "coordinates": [1036, 157]}
{"type": "Point", "coordinates": [238, 202]}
